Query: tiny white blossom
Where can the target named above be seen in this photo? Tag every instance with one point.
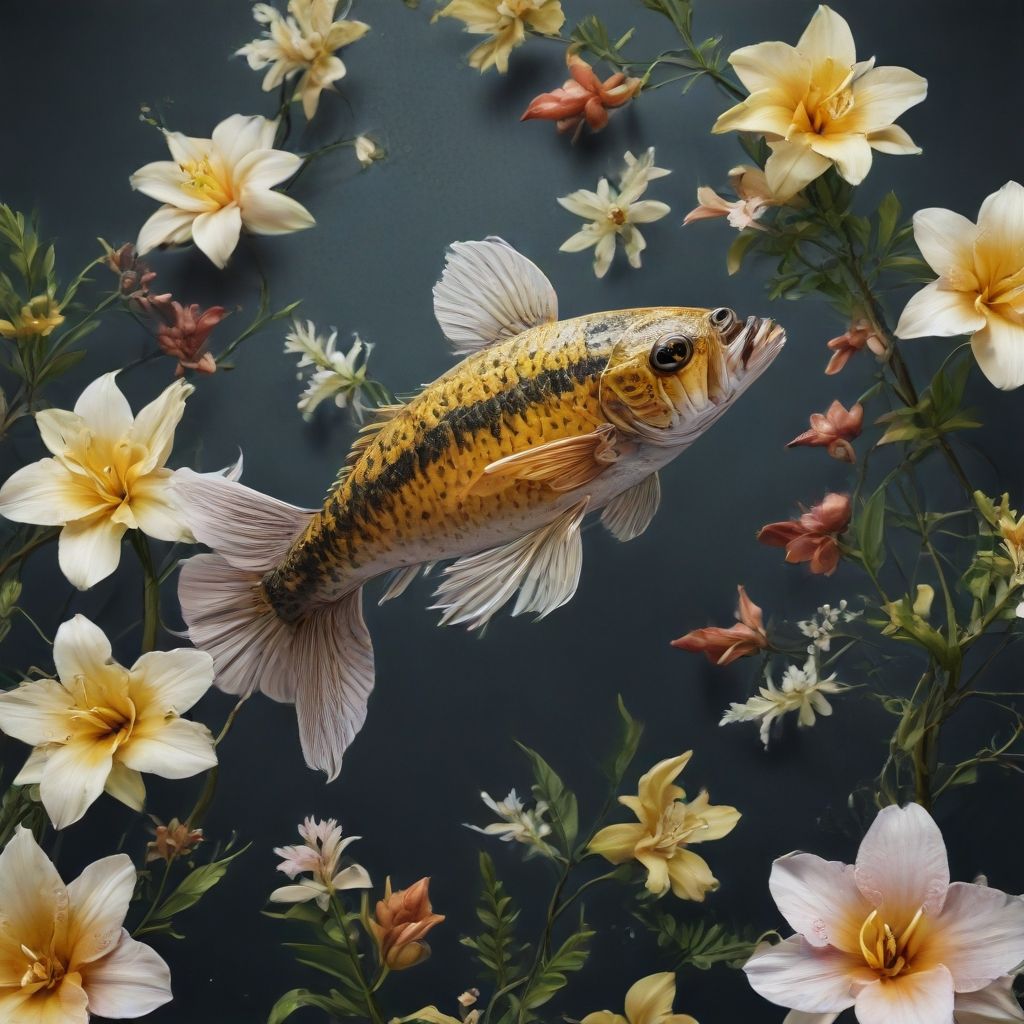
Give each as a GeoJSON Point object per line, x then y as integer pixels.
{"type": "Point", "coordinates": [820, 628]}
{"type": "Point", "coordinates": [800, 690]}
{"type": "Point", "coordinates": [338, 375]}
{"type": "Point", "coordinates": [367, 151]}
{"type": "Point", "coordinates": [615, 212]}
{"type": "Point", "coordinates": [517, 823]}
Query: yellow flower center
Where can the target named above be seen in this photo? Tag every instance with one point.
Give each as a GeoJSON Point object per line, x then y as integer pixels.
{"type": "Point", "coordinates": [838, 105]}
{"type": "Point", "coordinates": [45, 970]}
{"type": "Point", "coordinates": [675, 827]}
{"type": "Point", "coordinates": [885, 951]}
{"type": "Point", "coordinates": [204, 182]}
{"type": "Point", "coordinates": [617, 215]}
{"type": "Point", "coordinates": [109, 469]}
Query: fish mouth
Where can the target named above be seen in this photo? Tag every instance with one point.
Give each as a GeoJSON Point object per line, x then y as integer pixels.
{"type": "Point", "coordinates": [753, 348]}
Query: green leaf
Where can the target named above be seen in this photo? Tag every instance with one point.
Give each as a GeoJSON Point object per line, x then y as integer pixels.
{"type": "Point", "coordinates": [700, 944]}
{"type": "Point", "coordinates": [194, 886]}
{"type": "Point", "coordinates": [569, 958]}
{"type": "Point", "coordinates": [888, 215]}
{"type": "Point", "coordinates": [327, 959]}
{"type": "Point", "coordinates": [741, 245]}
{"type": "Point", "coordinates": [335, 1004]}
{"type": "Point", "coordinates": [496, 946]}
{"type": "Point", "coordinates": [561, 801]}
{"type": "Point", "coordinates": [632, 730]}
{"type": "Point", "coordinates": [871, 531]}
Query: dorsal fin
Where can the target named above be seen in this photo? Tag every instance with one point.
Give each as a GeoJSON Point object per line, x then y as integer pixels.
{"type": "Point", "coordinates": [382, 415]}
{"type": "Point", "coordinates": [488, 293]}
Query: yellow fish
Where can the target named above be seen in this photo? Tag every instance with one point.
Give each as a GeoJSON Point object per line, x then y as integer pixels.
{"type": "Point", "coordinates": [493, 466]}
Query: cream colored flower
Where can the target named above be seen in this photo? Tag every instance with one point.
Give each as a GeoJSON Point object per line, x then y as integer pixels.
{"type": "Point", "coordinates": [506, 22]}
{"type": "Point", "coordinates": [338, 375]}
{"type": "Point", "coordinates": [818, 106]}
{"type": "Point", "coordinates": [215, 187]}
{"type": "Point", "coordinates": [753, 199]}
{"type": "Point", "coordinates": [889, 935]}
{"type": "Point", "coordinates": [667, 827]}
{"type": "Point", "coordinates": [107, 475]}
{"type": "Point", "coordinates": [800, 691]}
{"type": "Point", "coordinates": [65, 953]}
{"type": "Point", "coordinates": [367, 151]}
{"type": "Point", "coordinates": [306, 41]}
{"type": "Point", "coordinates": [649, 1001]}
{"type": "Point", "coordinates": [980, 288]}
{"type": "Point", "coordinates": [614, 213]}
{"type": "Point", "coordinates": [319, 858]}
{"type": "Point", "coordinates": [99, 726]}
{"type": "Point", "coordinates": [518, 823]}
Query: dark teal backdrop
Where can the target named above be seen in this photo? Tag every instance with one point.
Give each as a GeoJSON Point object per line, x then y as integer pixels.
{"type": "Point", "coordinates": [447, 704]}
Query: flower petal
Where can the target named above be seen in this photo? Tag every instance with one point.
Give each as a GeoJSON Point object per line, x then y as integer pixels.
{"type": "Point", "coordinates": [828, 37]}
{"type": "Point", "coordinates": [273, 213]}
{"type": "Point", "coordinates": [648, 210]}
{"type": "Point", "coordinates": [773, 66]}
{"type": "Point", "coordinates": [98, 902]}
{"type": "Point", "coordinates": [104, 409]}
{"type": "Point", "coordinates": [902, 865]}
{"type": "Point", "coordinates": [355, 876]}
{"type": "Point", "coordinates": [690, 876]}
{"type": "Point", "coordinates": [999, 349]}
{"type": "Point", "coordinates": [73, 779]}
{"type": "Point", "coordinates": [155, 425]}
{"type": "Point", "coordinates": [763, 112]}
{"type": "Point", "coordinates": [156, 512]}
{"type": "Point", "coordinates": [946, 240]}
{"type": "Point", "coordinates": [57, 427]}
{"type": "Point", "coordinates": [177, 749]}
{"type": "Point", "coordinates": [217, 233]}
{"type": "Point", "coordinates": [880, 96]}
{"type": "Point", "coordinates": [938, 312]}
{"type": "Point", "coordinates": [45, 493]}
{"type": "Point", "coordinates": [127, 786]}
{"type": "Point", "coordinates": [999, 249]}
{"type": "Point", "coordinates": [173, 681]}
{"type": "Point", "coordinates": [36, 712]}
{"type": "Point", "coordinates": [804, 977]}
{"type": "Point", "coordinates": [650, 999]}
{"type": "Point", "coordinates": [185, 148]}
{"type": "Point", "coordinates": [163, 181]}
{"type": "Point", "coordinates": [892, 139]}
{"type": "Point", "coordinates": [131, 981]}
{"type": "Point", "coordinates": [995, 1004]}
{"type": "Point", "coordinates": [31, 892]}
{"type": "Point", "coordinates": [168, 226]}
{"type": "Point", "coordinates": [81, 648]}
{"type": "Point", "coordinates": [240, 134]}
{"type": "Point", "coordinates": [978, 937]}
{"type": "Point", "coordinates": [923, 997]}
{"type": "Point", "coordinates": [264, 168]}
{"type": "Point", "coordinates": [850, 153]}
{"type": "Point", "coordinates": [791, 166]}
{"type": "Point", "coordinates": [617, 843]}
{"type": "Point", "coordinates": [820, 900]}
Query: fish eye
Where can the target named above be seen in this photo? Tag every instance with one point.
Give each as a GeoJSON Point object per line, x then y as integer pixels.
{"type": "Point", "coordinates": [671, 354]}
{"type": "Point", "coordinates": [722, 318]}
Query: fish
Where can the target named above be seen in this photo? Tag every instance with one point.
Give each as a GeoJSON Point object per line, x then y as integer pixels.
{"type": "Point", "coordinates": [490, 469]}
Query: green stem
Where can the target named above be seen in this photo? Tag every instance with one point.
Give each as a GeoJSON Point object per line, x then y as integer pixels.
{"type": "Point", "coordinates": [26, 549]}
{"type": "Point", "coordinates": [140, 928]}
{"type": "Point", "coordinates": [371, 1003]}
{"type": "Point", "coordinates": [150, 592]}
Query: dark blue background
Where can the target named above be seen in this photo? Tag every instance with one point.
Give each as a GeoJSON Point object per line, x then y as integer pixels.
{"type": "Point", "coordinates": [448, 705]}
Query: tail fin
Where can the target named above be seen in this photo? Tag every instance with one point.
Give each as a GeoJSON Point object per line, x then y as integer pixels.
{"type": "Point", "coordinates": [323, 663]}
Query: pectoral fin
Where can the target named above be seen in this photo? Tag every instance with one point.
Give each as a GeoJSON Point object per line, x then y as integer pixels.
{"type": "Point", "coordinates": [562, 465]}
{"type": "Point", "coordinates": [628, 514]}
{"type": "Point", "coordinates": [544, 566]}
{"type": "Point", "coordinates": [488, 293]}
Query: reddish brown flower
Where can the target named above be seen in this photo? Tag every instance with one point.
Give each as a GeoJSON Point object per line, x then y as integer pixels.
{"type": "Point", "coordinates": [175, 839]}
{"type": "Point", "coordinates": [184, 331]}
{"type": "Point", "coordinates": [400, 921]}
{"type": "Point", "coordinates": [583, 98]}
{"type": "Point", "coordinates": [813, 537]}
{"type": "Point", "coordinates": [725, 645]}
{"type": "Point", "coordinates": [135, 274]}
{"type": "Point", "coordinates": [860, 333]}
{"type": "Point", "coordinates": [833, 430]}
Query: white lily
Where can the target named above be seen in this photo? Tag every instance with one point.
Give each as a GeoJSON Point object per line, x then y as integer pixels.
{"type": "Point", "coordinates": [64, 949]}
{"type": "Point", "coordinates": [517, 823]}
{"type": "Point", "coordinates": [817, 105]}
{"type": "Point", "coordinates": [107, 475]}
{"type": "Point", "coordinates": [99, 726]}
{"type": "Point", "coordinates": [214, 187]}
{"type": "Point", "coordinates": [614, 213]}
{"type": "Point", "coordinates": [980, 288]}
{"type": "Point", "coordinates": [306, 41]}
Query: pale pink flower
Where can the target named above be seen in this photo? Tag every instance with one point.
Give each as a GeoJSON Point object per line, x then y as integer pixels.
{"type": "Point", "coordinates": [319, 858]}
{"type": "Point", "coordinates": [833, 430]}
{"type": "Point", "coordinates": [814, 536]}
{"type": "Point", "coordinates": [890, 935]}
{"type": "Point", "coordinates": [754, 197]}
{"type": "Point", "coordinates": [859, 334]}
{"type": "Point", "coordinates": [724, 645]}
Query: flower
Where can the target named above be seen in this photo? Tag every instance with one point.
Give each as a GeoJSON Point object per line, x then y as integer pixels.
{"type": "Point", "coordinates": [65, 951]}
{"type": "Point", "coordinates": [173, 840]}
{"type": "Point", "coordinates": [319, 858]}
{"type": "Point", "coordinates": [724, 646]}
{"type": "Point", "coordinates": [38, 318]}
{"type": "Point", "coordinates": [614, 213]}
{"type": "Point", "coordinates": [584, 99]}
{"type": "Point", "coordinates": [667, 827]}
{"type": "Point", "coordinates": [801, 691]}
{"type": "Point", "coordinates": [99, 726]}
{"type": "Point", "coordinates": [215, 187]}
{"type": "Point", "coordinates": [399, 923]}
{"type": "Point", "coordinates": [367, 151]}
{"type": "Point", "coordinates": [820, 628]}
{"type": "Point", "coordinates": [649, 1001]}
{"type": "Point", "coordinates": [860, 333]}
{"type": "Point", "coordinates": [307, 40]}
{"type": "Point", "coordinates": [818, 106]}
{"type": "Point", "coordinates": [134, 274]}
{"type": "Point", "coordinates": [339, 375]}
{"type": "Point", "coordinates": [107, 475]}
{"type": "Point", "coordinates": [833, 430]}
{"type": "Point", "coordinates": [754, 198]}
{"type": "Point", "coordinates": [813, 537]}
{"type": "Point", "coordinates": [506, 22]}
{"type": "Point", "coordinates": [517, 823]}
{"type": "Point", "coordinates": [890, 935]}
{"type": "Point", "coordinates": [184, 332]}
{"type": "Point", "coordinates": [980, 288]}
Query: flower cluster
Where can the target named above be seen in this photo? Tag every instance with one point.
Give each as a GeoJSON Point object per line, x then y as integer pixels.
{"type": "Point", "coordinates": [319, 858]}
{"type": "Point", "coordinates": [518, 823]}
{"type": "Point", "coordinates": [821, 628]}
{"type": "Point", "coordinates": [338, 375]}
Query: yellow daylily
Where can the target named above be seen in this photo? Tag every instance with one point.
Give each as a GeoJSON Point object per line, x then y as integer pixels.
{"type": "Point", "coordinates": [649, 1001]}
{"type": "Point", "coordinates": [38, 318]}
{"type": "Point", "coordinates": [666, 827]}
{"type": "Point", "coordinates": [506, 23]}
{"type": "Point", "coordinates": [817, 105]}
